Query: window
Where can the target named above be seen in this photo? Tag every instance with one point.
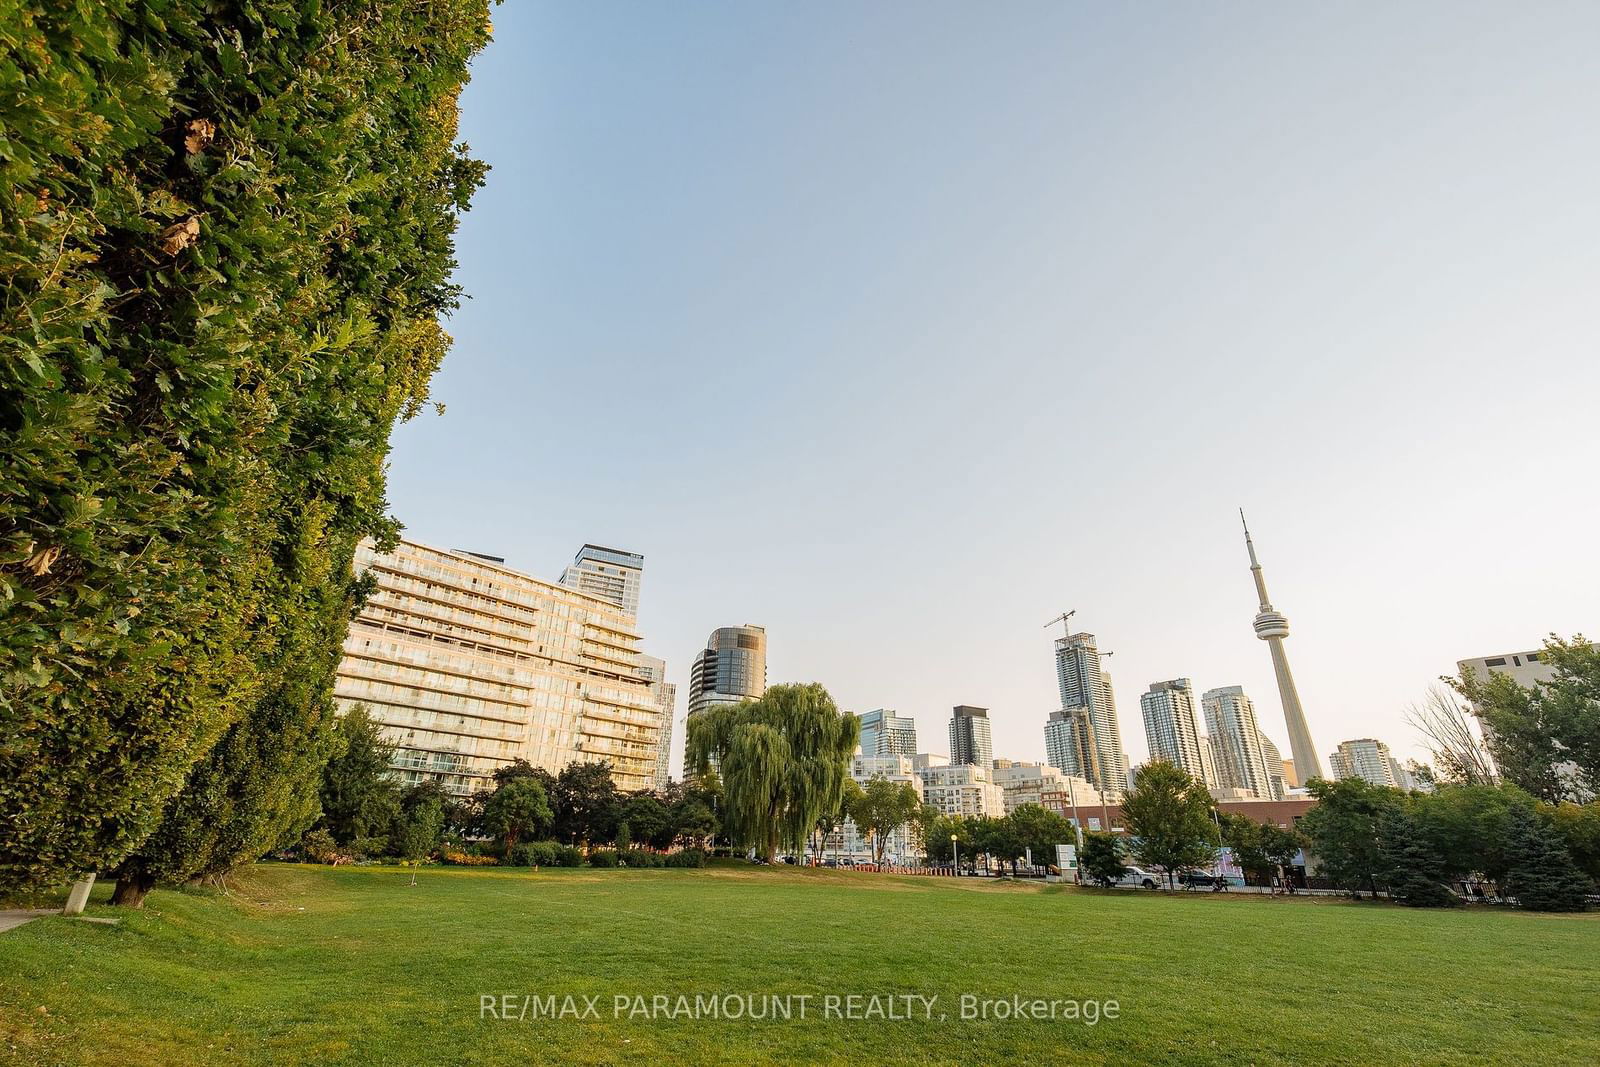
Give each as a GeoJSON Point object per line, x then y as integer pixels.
{"type": "Point", "coordinates": [1500, 662]}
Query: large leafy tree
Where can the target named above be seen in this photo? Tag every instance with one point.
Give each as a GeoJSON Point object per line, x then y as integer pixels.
{"type": "Point", "coordinates": [1261, 848]}
{"type": "Point", "coordinates": [1469, 827]}
{"type": "Point", "coordinates": [586, 802]}
{"type": "Point", "coordinates": [1579, 827]}
{"type": "Point", "coordinates": [515, 810]}
{"type": "Point", "coordinates": [1169, 821]}
{"type": "Point", "coordinates": [1545, 738]}
{"type": "Point", "coordinates": [783, 759]}
{"type": "Point", "coordinates": [882, 807]}
{"type": "Point", "coordinates": [1041, 830]}
{"type": "Point", "coordinates": [1344, 830]}
{"type": "Point", "coordinates": [225, 241]}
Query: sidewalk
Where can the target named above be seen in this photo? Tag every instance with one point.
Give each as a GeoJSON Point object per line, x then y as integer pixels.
{"type": "Point", "coordinates": [14, 917]}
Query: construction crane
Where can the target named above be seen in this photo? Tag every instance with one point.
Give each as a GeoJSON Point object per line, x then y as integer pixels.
{"type": "Point", "coordinates": [1062, 619]}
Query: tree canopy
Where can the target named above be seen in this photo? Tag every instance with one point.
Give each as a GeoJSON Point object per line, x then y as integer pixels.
{"type": "Point", "coordinates": [783, 760]}
{"type": "Point", "coordinates": [225, 243]}
{"type": "Point", "coordinates": [1168, 815]}
{"type": "Point", "coordinates": [1545, 738]}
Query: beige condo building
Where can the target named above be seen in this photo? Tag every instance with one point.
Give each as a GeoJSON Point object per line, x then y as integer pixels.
{"type": "Point", "coordinates": [470, 665]}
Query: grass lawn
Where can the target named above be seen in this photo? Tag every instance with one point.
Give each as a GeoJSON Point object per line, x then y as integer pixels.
{"type": "Point", "coordinates": [353, 966]}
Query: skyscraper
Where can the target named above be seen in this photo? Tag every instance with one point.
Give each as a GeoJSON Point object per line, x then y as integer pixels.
{"type": "Point", "coordinates": [1365, 758]}
{"type": "Point", "coordinates": [1236, 748]}
{"type": "Point", "coordinates": [665, 696]}
{"type": "Point", "coordinates": [883, 733]}
{"type": "Point", "coordinates": [1274, 761]}
{"type": "Point", "coordinates": [1088, 704]}
{"type": "Point", "coordinates": [970, 741]}
{"type": "Point", "coordinates": [1272, 628]}
{"type": "Point", "coordinates": [1170, 726]}
{"type": "Point", "coordinates": [608, 573]}
{"type": "Point", "coordinates": [732, 668]}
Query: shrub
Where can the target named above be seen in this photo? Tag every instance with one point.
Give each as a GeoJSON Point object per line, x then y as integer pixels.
{"type": "Point", "coordinates": [689, 857]}
{"type": "Point", "coordinates": [640, 857]}
{"type": "Point", "coordinates": [604, 857]}
{"type": "Point", "coordinates": [542, 853]}
{"type": "Point", "coordinates": [318, 846]}
{"type": "Point", "coordinates": [368, 848]}
{"type": "Point", "coordinates": [465, 859]}
{"type": "Point", "coordinates": [568, 856]}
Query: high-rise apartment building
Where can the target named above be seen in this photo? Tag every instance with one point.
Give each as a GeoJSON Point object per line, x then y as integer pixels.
{"type": "Point", "coordinates": [970, 740]}
{"type": "Point", "coordinates": [1274, 761]}
{"type": "Point", "coordinates": [731, 669]}
{"type": "Point", "coordinates": [883, 733]}
{"type": "Point", "coordinates": [1088, 741]}
{"type": "Point", "coordinates": [1272, 627]}
{"type": "Point", "coordinates": [1236, 748]}
{"type": "Point", "coordinates": [1364, 758]}
{"type": "Point", "coordinates": [608, 573]}
{"type": "Point", "coordinates": [469, 665]}
{"type": "Point", "coordinates": [962, 789]}
{"type": "Point", "coordinates": [1171, 728]}
{"type": "Point", "coordinates": [665, 696]}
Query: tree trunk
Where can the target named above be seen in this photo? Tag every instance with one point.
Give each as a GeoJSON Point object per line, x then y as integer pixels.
{"type": "Point", "coordinates": [132, 889]}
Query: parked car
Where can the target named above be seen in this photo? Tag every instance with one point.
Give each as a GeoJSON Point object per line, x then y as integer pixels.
{"type": "Point", "coordinates": [1139, 878]}
{"type": "Point", "coordinates": [1201, 880]}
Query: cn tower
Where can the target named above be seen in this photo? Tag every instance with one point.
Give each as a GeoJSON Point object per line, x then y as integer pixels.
{"type": "Point", "coordinates": [1272, 628]}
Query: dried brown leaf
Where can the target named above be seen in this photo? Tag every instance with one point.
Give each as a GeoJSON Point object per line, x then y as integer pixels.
{"type": "Point", "coordinates": [180, 235]}
{"type": "Point", "coordinates": [201, 131]}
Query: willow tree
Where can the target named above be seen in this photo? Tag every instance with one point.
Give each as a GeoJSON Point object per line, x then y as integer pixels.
{"type": "Point", "coordinates": [783, 760]}
{"type": "Point", "coordinates": [225, 245]}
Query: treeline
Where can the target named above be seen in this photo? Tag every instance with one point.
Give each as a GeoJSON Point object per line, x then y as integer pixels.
{"type": "Point", "coordinates": [1008, 840]}
{"type": "Point", "coordinates": [1416, 846]}
{"type": "Point", "coordinates": [1421, 849]}
{"type": "Point", "coordinates": [529, 818]}
{"type": "Point", "coordinates": [226, 236]}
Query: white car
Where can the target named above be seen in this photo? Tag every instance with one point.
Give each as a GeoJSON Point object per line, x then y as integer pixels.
{"type": "Point", "coordinates": [1139, 878]}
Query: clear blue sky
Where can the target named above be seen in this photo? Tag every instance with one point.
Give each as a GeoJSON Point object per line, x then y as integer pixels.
{"type": "Point", "coordinates": [902, 328]}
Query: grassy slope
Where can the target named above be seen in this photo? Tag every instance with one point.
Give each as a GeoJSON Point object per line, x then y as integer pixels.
{"type": "Point", "coordinates": [372, 971]}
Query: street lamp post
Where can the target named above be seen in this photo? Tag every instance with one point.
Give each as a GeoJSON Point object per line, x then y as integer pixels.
{"type": "Point", "coordinates": [957, 850]}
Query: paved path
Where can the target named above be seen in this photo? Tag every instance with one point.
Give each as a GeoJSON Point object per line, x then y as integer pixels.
{"type": "Point", "coordinates": [14, 917]}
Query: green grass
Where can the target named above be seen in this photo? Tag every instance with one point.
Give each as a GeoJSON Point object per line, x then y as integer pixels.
{"type": "Point", "coordinates": [353, 966]}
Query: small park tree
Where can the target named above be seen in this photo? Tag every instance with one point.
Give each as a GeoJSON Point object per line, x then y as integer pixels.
{"type": "Point", "coordinates": [883, 808]}
{"type": "Point", "coordinates": [1102, 860]}
{"type": "Point", "coordinates": [516, 809]}
{"type": "Point", "coordinates": [1169, 819]}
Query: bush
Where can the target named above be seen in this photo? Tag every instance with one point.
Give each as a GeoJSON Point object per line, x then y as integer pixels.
{"type": "Point", "coordinates": [543, 853]}
{"type": "Point", "coordinates": [465, 859]}
{"type": "Point", "coordinates": [640, 857]}
{"type": "Point", "coordinates": [369, 848]}
{"type": "Point", "coordinates": [318, 846]}
{"type": "Point", "coordinates": [568, 856]}
{"type": "Point", "coordinates": [689, 857]}
{"type": "Point", "coordinates": [605, 857]}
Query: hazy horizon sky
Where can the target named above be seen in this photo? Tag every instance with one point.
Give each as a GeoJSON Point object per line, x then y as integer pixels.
{"type": "Point", "coordinates": [900, 329]}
